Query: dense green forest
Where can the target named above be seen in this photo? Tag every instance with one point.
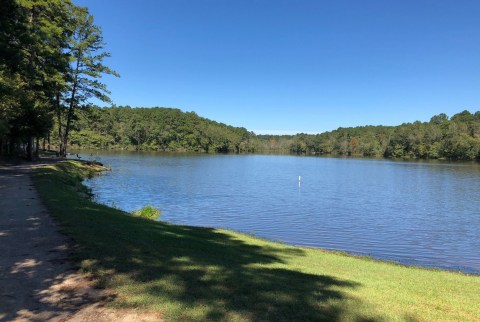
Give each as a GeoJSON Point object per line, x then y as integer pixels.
{"type": "Point", "coordinates": [455, 138]}
{"type": "Point", "coordinates": [51, 64]}
{"type": "Point", "coordinates": [166, 129]}
{"type": "Point", "coordinates": [162, 129]}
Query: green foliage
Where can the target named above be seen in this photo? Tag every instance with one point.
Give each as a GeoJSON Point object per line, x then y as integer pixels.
{"type": "Point", "coordinates": [457, 138]}
{"type": "Point", "coordinates": [33, 36]}
{"type": "Point", "coordinates": [90, 139]}
{"type": "Point", "coordinates": [50, 61]}
{"type": "Point", "coordinates": [147, 212]}
{"type": "Point", "coordinates": [86, 67]}
{"type": "Point", "coordinates": [167, 129]}
{"type": "Point", "coordinates": [454, 139]}
{"type": "Point", "coordinates": [157, 129]}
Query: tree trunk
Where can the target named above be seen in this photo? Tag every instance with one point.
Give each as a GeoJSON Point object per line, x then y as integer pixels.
{"type": "Point", "coordinates": [72, 104]}
{"type": "Point", "coordinates": [30, 148]}
{"type": "Point", "coordinates": [37, 148]}
{"type": "Point", "coordinates": [11, 146]}
{"type": "Point", "coordinates": [61, 150]}
{"type": "Point", "coordinates": [67, 131]}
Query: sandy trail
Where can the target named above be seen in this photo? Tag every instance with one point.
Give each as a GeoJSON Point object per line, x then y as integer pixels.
{"type": "Point", "coordinates": [37, 280]}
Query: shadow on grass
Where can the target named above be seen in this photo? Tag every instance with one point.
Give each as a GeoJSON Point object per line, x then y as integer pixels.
{"type": "Point", "coordinates": [195, 273]}
{"type": "Point", "coordinates": [221, 278]}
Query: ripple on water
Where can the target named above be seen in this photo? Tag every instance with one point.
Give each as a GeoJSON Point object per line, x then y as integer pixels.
{"type": "Point", "coordinates": [414, 213]}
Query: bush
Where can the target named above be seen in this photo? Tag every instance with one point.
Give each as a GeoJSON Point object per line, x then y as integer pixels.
{"type": "Point", "coordinates": [147, 212]}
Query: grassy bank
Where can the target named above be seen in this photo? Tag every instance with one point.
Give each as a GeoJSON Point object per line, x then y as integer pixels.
{"type": "Point", "coordinates": [191, 273]}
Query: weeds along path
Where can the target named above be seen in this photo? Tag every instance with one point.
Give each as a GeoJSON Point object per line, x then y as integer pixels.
{"type": "Point", "coordinates": [37, 280]}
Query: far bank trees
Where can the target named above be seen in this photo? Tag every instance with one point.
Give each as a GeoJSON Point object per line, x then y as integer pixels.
{"type": "Point", "coordinates": [167, 129]}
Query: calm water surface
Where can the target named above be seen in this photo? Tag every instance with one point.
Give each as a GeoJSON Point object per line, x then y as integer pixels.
{"type": "Point", "coordinates": [417, 213]}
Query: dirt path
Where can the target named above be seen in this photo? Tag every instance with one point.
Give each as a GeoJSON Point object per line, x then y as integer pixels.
{"type": "Point", "coordinates": [37, 281]}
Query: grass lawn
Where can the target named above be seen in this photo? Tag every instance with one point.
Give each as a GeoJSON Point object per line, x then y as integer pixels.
{"type": "Point", "coordinates": [192, 273]}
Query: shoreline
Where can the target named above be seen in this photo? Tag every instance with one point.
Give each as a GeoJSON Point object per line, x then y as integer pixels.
{"type": "Point", "coordinates": [279, 153]}
{"type": "Point", "coordinates": [322, 249]}
{"type": "Point", "coordinates": [404, 258]}
{"type": "Point", "coordinates": [185, 251]}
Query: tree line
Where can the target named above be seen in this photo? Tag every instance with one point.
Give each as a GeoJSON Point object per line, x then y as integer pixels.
{"type": "Point", "coordinates": [51, 60]}
{"type": "Point", "coordinates": [167, 129]}
{"type": "Point", "coordinates": [156, 129]}
{"type": "Point", "coordinates": [455, 138]}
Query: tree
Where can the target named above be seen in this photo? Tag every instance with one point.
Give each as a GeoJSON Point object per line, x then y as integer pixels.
{"type": "Point", "coordinates": [32, 36]}
{"type": "Point", "coordinates": [86, 67]}
{"type": "Point", "coordinates": [439, 119]}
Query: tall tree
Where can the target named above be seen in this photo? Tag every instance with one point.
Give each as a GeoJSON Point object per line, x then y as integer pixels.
{"type": "Point", "coordinates": [32, 38]}
{"type": "Point", "coordinates": [86, 67]}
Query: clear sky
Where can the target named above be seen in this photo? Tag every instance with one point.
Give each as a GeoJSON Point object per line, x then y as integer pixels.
{"type": "Point", "coordinates": [278, 66]}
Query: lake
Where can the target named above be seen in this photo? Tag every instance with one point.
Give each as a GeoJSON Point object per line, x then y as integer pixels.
{"type": "Point", "coordinates": [415, 213]}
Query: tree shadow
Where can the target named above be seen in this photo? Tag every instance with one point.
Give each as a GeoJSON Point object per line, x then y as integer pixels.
{"type": "Point", "coordinates": [218, 277]}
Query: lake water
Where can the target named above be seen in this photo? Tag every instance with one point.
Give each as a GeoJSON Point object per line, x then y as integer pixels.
{"type": "Point", "coordinates": [418, 213]}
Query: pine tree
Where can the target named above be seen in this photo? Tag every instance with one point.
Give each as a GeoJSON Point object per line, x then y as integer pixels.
{"type": "Point", "coordinates": [86, 67]}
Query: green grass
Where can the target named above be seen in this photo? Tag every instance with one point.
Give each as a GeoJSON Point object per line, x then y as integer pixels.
{"type": "Point", "coordinates": [191, 273]}
{"type": "Point", "coordinates": [147, 212]}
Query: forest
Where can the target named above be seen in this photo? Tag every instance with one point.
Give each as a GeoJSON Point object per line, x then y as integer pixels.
{"type": "Point", "coordinates": [51, 63]}
{"type": "Point", "coordinates": [51, 66]}
{"type": "Point", "coordinates": [455, 138]}
{"type": "Point", "coordinates": [157, 129]}
{"type": "Point", "coordinates": [167, 129]}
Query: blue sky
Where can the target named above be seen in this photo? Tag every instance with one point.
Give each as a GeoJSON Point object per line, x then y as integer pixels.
{"type": "Point", "coordinates": [295, 66]}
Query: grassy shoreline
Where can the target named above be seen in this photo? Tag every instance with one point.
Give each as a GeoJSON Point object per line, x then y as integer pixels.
{"type": "Point", "coordinates": [194, 273]}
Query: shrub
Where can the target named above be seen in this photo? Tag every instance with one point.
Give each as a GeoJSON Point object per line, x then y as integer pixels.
{"type": "Point", "coordinates": [147, 212]}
